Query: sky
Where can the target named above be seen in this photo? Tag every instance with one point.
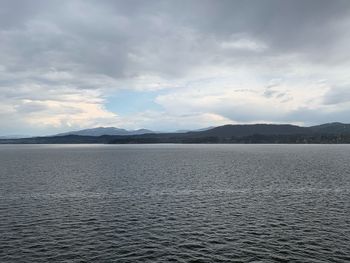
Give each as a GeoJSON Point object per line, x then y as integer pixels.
{"type": "Point", "coordinates": [172, 65]}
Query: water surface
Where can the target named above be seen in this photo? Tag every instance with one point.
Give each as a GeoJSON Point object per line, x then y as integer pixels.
{"type": "Point", "coordinates": [174, 203]}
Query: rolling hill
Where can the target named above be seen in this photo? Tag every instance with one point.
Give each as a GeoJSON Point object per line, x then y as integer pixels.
{"type": "Point", "coordinates": [100, 131]}
{"type": "Point", "coordinates": [250, 133]}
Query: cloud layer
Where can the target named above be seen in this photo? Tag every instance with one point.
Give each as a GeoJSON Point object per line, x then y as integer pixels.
{"type": "Point", "coordinates": [209, 62]}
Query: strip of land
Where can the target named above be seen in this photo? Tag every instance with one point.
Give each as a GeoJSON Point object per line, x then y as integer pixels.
{"type": "Point", "coordinates": [330, 133]}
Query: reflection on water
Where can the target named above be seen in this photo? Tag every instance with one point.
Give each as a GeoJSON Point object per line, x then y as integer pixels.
{"type": "Point", "coordinates": [181, 203]}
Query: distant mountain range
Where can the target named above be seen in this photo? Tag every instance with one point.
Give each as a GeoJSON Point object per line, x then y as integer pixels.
{"type": "Point", "coordinates": [15, 136]}
{"type": "Point", "coordinates": [251, 133]}
{"type": "Point", "coordinates": [197, 130]}
{"type": "Point", "coordinates": [99, 131]}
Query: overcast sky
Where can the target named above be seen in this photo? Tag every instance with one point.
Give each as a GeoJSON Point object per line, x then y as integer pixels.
{"type": "Point", "coordinates": [168, 65]}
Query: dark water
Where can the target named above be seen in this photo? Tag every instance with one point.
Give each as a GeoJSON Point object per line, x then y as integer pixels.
{"type": "Point", "coordinates": [175, 203]}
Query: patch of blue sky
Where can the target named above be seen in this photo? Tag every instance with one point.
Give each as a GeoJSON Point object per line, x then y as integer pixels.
{"type": "Point", "coordinates": [126, 102]}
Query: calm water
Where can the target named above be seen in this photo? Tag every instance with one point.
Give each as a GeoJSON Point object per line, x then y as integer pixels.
{"type": "Point", "coordinates": [175, 203]}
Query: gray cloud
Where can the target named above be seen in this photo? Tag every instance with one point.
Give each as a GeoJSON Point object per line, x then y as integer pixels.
{"type": "Point", "coordinates": [30, 107]}
{"type": "Point", "coordinates": [126, 38]}
{"type": "Point", "coordinates": [317, 116]}
{"type": "Point", "coordinates": [337, 95]}
{"type": "Point", "coordinates": [62, 50]}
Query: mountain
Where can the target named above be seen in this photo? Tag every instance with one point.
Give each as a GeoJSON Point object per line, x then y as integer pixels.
{"type": "Point", "coordinates": [331, 128]}
{"type": "Point", "coordinates": [99, 131]}
{"type": "Point", "coordinates": [14, 136]}
{"type": "Point", "coordinates": [252, 129]}
{"type": "Point", "coordinates": [202, 129]}
{"type": "Point", "coordinates": [105, 131]}
{"type": "Point", "coordinates": [252, 133]}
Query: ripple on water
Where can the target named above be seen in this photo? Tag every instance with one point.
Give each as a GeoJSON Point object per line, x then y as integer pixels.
{"type": "Point", "coordinates": [189, 203]}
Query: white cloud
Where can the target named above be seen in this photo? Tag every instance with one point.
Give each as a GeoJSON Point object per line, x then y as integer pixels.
{"type": "Point", "coordinates": [244, 44]}
{"type": "Point", "coordinates": [211, 62]}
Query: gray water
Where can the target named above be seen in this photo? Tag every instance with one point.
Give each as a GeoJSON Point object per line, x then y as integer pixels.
{"type": "Point", "coordinates": [175, 203]}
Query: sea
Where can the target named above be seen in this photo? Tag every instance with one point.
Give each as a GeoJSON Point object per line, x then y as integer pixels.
{"type": "Point", "coordinates": [174, 203]}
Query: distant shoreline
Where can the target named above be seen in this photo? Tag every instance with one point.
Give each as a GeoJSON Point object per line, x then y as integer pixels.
{"type": "Point", "coordinates": [42, 141]}
{"type": "Point", "coordinates": [331, 133]}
